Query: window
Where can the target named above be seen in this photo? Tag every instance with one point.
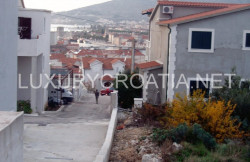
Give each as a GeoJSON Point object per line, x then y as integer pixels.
{"type": "Point", "coordinates": [202, 85]}
{"type": "Point", "coordinates": [24, 28]}
{"type": "Point", "coordinates": [201, 40]}
{"type": "Point", "coordinates": [246, 40]}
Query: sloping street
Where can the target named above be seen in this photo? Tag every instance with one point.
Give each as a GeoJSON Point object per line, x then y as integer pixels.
{"type": "Point", "coordinates": [75, 134]}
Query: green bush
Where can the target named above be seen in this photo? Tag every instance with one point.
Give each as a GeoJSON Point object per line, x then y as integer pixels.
{"type": "Point", "coordinates": [204, 136]}
{"type": "Point", "coordinates": [24, 106]}
{"type": "Point", "coordinates": [196, 151]}
{"type": "Point", "coordinates": [159, 135]}
{"type": "Point", "coordinates": [126, 95]}
{"type": "Point", "coordinates": [238, 94]}
{"type": "Point", "coordinates": [195, 134]}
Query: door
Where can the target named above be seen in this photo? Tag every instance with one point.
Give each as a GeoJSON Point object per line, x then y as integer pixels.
{"type": "Point", "coordinates": [24, 27]}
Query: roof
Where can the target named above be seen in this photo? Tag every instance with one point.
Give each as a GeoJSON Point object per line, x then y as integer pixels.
{"type": "Point", "coordinates": [107, 65]}
{"type": "Point", "coordinates": [35, 10]}
{"type": "Point", "coordinates": [194, 4]}
{"type": "Point", "coordinates": [148, 11]}
{"type": "Point", "coordinates": [147, 65]}
{"type": "Point", "coordinates": [57, 56]}
{"type": "Point", "coordinates": [102, 53]}
{"type": "Point", "coordinates": [208, 14]}
{"type": "Point", "coordinates": [69, 62]}
{"type": "Point", "coordinates": [107, 78]}
{"type": "Point", "coordinates": [114, 61]}
{"type": "Point", "coordinates": [92, 60]}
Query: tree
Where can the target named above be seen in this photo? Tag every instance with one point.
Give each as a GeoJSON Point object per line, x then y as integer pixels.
{"type": "Point", "coordinates": [127, 94]}
{"type": "Point", "coordinates": [238, 94]}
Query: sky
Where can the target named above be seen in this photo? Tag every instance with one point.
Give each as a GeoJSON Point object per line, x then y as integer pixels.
{"type": "Point", "coordinates": [60, 5]}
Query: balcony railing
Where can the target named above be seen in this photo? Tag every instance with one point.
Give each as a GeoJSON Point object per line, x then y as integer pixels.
{"type": "Point", "coordinates": [31, 47]}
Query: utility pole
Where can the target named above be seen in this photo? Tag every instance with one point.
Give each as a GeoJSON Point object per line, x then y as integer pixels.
{"type": "Point", "coordinates": [133, 56]}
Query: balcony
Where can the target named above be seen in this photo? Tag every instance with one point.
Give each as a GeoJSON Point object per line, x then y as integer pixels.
{"type": "Point", "coordinates": [31, 47]}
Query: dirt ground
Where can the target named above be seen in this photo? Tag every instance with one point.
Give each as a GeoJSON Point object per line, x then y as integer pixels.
{"type": "Point", "coordinates": [131, 142]}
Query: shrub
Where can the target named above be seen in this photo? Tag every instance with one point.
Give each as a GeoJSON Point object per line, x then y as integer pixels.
{"type": "Point", "coordinates": [193, 134]}
{"type": "Point", "coordinates": [149, 114]}
{"type": "Point", "coordinates": [24, 106]}
{"type": "Point", "coordinates": [214, 116]}
{"type": "Point", "coordinates": [191, 152]}
{"type": "Point", "coordinates": [126, 95]}
{"type": "Point", "coordinates": [204, 136]}
{"type": "Point", "coordinates": [239, 95]}
{"type": "Point", "coordinates": [159, 135]}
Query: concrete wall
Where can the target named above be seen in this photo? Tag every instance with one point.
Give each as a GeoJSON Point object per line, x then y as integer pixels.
{"type": "Point", "coordinates": [11, 137]}
{"type": "Point", "coordinates": [228, 48]}
{"type": "Point", "coordinates": [154, 93]}
{"type": "Point", "coordinates": [24, 68]}
{"type": "Point", "coordinates": [159, 46]}
{"type": "Point", "coordinates": [8, 54]}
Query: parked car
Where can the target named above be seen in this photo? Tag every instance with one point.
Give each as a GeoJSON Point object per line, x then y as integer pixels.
{"type": "Point", "coordinates": [106, 91]}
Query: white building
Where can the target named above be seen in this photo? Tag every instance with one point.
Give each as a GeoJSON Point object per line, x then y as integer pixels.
{"type": "Point", "coordinates": [100, 68]}
{"type": "Point", "coordinates": [8, 55]}
{"type": "Point", "coordinates": [53, 38]}
{"type": "Point", "coordinates": [33, 56]}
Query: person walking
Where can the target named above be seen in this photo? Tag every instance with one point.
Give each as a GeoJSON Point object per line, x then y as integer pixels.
{"type": "Point", "coordinates": [96, 96]}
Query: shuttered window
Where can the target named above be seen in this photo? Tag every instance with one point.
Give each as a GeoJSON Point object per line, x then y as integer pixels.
{"type": "Point", "coordinates": [201, 40]}
{"type": "Point", "coordinates": [247, 39]}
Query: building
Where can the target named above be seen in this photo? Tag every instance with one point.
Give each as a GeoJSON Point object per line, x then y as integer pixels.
{"type": "Point", "coordinates": [53, 38]}
{"type": "Point", "coordinates": [8, 54]}
{"type": "Point", "coordinates": [122, 53]}
{"type": "Point", "coordinates": [190, 38]}
{"type": "Point", "coordinates": [33, 56]}
{"type": "Point", "coordinates": [103, 70]}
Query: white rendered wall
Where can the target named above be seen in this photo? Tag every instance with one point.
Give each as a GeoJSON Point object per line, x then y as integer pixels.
{"type": "Point", "coordinates": [8, 54]}
{"type": "Point", "coordinates": [40, 27]}
{"type": "Point", "coordinates": [11, 137]}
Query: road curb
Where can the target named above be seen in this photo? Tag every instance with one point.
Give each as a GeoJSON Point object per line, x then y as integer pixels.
{"type": "Point", "coordinates": [104, 153]}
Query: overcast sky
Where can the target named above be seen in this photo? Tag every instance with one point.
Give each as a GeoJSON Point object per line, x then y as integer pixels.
{"type": "Point", "coordinates": [60, 5]}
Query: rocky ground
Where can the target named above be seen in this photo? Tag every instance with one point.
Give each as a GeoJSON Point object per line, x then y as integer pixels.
{"type": "Point", "coordinates": [132, 143]}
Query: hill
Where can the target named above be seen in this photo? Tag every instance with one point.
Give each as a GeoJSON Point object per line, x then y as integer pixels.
{"type": "Point", "coordinates": [116, 10]}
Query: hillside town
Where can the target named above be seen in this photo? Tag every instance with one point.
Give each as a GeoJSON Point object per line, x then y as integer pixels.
{"type": "Point", "coordinates": [167, 81]}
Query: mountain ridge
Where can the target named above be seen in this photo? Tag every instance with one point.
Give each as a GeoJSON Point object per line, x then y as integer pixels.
{"type": "Point", "coordinates": [116, 10]}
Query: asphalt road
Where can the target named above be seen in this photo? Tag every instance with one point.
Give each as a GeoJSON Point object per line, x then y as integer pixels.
{"type": "Point", "coordinates": [75, 134]}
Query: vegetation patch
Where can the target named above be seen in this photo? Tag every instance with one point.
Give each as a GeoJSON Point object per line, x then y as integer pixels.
{"type": "Point", "coordinates": [24, 106]}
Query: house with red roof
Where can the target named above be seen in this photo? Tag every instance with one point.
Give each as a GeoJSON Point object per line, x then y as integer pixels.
{"type": "Point", "coordinates": [190, 38]}
{"type": "Point", "coordinates": [103, 70]}
{"type": "Point", "coordinates": [122, 53]}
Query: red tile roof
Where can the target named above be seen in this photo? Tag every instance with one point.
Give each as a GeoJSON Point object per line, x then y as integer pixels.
{"type": "Point", "coordinates": [107, 78]}
{"type": "Point", "coordinates": [102, 53]}
{"type": "Point", "coordinates": [92, 60]}
{"type": "Point", "coordinates": [151, 64]}
{"type": "Point", "coordinates": [69, 62]}
{"type": "Point", "coordinates": [217, 12]}
{"type": "Point", "coordinates": [57, 56]}
{"type": "Point", "coordinates": [194, 4]}
{"type": "Point", "coordinates": [107, 65]}
{"type": "Point", "coordinates": [114, 61]}
{"type": "Point", "coordinates": [148, 11]}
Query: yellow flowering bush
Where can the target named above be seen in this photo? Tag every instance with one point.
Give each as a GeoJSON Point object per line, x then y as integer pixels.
{"type": "Point", "coordinates": [213, 116]}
